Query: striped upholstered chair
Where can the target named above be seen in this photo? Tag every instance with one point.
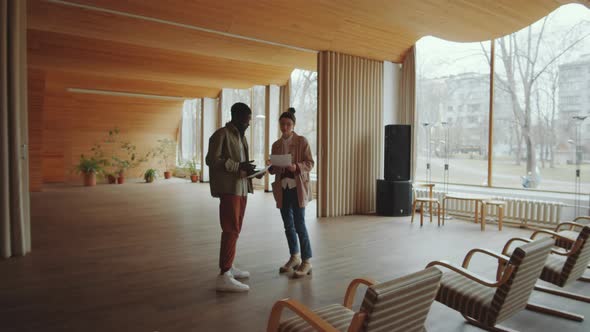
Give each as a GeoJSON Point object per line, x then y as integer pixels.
{"type": "Point", "coordinates": [398, 305]}
{"type": "Point", "coordinates": [561, 268]}
{"type": "Point", "coordinates": [485, 303]}
{"type": "Point", "coordinates": [568, 231]}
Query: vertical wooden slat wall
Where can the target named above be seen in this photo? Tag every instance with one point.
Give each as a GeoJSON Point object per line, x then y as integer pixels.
{"type": "Point", "coordinates": [285, 97]}
{"type": "Point", "coordinates": [36, 90]}
{"type": "Point", "coordinates": [407, 95]}
{"type": "Point", "coordinates": [349, 133]}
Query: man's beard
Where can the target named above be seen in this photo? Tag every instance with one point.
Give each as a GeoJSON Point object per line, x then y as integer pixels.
{"type": "Point", "coordinates": [242, 128]}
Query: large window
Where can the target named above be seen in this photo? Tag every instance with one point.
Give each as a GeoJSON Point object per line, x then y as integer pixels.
{"type": "Point", "coordinates": [541, 95]}
{"type": "Point", "coordinates": [452, 97]}
{"type": "Point", "coordinates": [255, 98]}
{"type": "Point", "coordinates": [304, 97]}
{"type": "Point", "coordinates": [539, 74]}
{"type": "Point", "coordinates": [230, 97]}
{"type": "Point", "coordinates": [189, 147]}
{"type": "Point", "coordinates": [256, 138]}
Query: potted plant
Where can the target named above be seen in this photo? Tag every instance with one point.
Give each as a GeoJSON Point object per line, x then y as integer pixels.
{"type": "Point", "coordinates": [128, 160]}
{"type": "Point", "coordinates": [121, 165]}
{"type": "Point", "coordinates": [89, 167]}
{"type": "Point", "coordinates": [166, 150]}
{"type": "Point", "coordinates": [124, 156]}
{"type": "Point", "coordinates": [192, 168]}
{"type": "Point", "coordinates": [109, 170]}
{"type": "Point", "coordinates": [150, 175]}
{"type": "Point", "coordinates": [111, 178]}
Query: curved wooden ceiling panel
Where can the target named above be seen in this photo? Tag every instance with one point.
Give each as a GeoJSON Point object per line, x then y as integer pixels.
{"type": "Point", "coordinates": [106, 82]}
{"type": "Point", "coordinates": [55, 51]}
{"type": "Point", "coordinates": [64, 19]}
{"type": "Point", "coordinates": [378, 29]}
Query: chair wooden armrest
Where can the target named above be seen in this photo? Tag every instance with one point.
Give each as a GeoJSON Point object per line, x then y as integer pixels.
{"type": "Point", "coordinates": [572, 225]}
{"type": "Point", "coordinates": [470, 275]}
{"type": "Point", "coordinates": [472, 252]}
{"type": "Point", "coordinates": [351, 290]}
{"type": "Point", "coordinates": [582, 218]}
{"type": "Point", "coordinates": [554, 250]}
{"type": "Point", "coordinates": [302, 311]}
{"type": "Point", "coordinates": [552, 233]}
{"type": "Point", "coordinates": [357, 322]}
{"type": "Point", "coordinates": [562, 252]}
{"type": "Point", "coordinates": [566, 252]}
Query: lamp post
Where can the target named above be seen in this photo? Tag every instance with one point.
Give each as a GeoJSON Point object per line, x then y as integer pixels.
{"type": "Point", "coordinates": [447, 144]}
{"type": "Point", "coordinates": [427, 127]}
{"type": "Point", "coordinates": [578, 119]}
{"type": "Point", "coordinates": [447, 159]}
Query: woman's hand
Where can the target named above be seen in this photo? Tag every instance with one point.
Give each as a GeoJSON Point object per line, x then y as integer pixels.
{"type": "Point", "coordinates": [267, 163]}
{"type": "Point", "coordinates": [292, 168]}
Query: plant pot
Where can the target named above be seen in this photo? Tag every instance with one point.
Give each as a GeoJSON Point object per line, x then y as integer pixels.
{"type": "Point", "coordinates": [149, 179]}
{"type": "Point", "coordinates": [167, 175]}
{"type": "Point", "coordinates": [89, 179]}
{"type": "Point", "coordinates": [112, 179]}
{"type": "Point", "coordinates": [120, 180]}
{"type": "Point", "coordinates": [194, 178]}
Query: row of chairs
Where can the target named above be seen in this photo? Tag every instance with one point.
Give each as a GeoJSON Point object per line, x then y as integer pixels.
{"type": "Point", "coordinates": [403, 304]}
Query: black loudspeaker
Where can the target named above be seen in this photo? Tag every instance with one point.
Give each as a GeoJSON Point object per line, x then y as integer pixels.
{"type": "Point", "coordinates": [398, 149]}
{"type": "Point", "coordinates": [394, 198]}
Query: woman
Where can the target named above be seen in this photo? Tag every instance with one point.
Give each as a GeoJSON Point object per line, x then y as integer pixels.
{"type": "Point", "coordinates": [292, 192]}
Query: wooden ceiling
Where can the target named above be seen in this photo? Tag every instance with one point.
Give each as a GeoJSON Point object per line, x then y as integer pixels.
{"type": "Point", "coordinates": [107, 51]}
{"type": "Point", "coordinates": [207, 45]}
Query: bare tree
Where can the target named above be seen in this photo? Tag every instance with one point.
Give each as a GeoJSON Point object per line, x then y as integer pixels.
{"type": "Point", "coordinates": [304, 99]}
{"type": "Point", "coordinates": [524, 59]}
{"type": "Point", "coordinates": [546, 96]}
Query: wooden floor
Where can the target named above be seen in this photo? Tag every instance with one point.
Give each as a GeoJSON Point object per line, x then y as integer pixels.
{"type": "Point", "coordinates": [143, 257]}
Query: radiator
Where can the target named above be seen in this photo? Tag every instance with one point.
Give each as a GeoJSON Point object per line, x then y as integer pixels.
{"type": "Point", "coordinates": [518, 210]}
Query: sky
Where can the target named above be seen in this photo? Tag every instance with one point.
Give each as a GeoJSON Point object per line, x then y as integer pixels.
{"type": "Point", "coordinates": [438, 57]}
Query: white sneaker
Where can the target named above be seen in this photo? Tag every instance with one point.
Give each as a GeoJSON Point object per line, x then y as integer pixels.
{"type": "Point", "coordinates": [226, 283]}
{"type": "Point", "coordinates": [239, 274]}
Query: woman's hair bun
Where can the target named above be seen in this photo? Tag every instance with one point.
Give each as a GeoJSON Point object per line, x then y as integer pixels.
{"type": "Point", "coordinates": [289, 114]}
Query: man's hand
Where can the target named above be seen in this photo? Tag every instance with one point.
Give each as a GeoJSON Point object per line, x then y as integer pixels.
{"type": "Point", "coordinates": [247, 167]}
{"type": "Point", "coordinates": [292, 168]}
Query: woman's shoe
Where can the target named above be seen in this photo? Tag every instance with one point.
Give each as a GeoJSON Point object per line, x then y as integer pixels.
{"type": "Point", "coordinates": [292, 264]}
{"type": "Point", "coordinates": [303, 270]}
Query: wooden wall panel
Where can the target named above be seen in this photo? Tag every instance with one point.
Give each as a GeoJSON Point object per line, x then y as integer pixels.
{"type": "Point", "coordinates": [73, 122]}
{"type": "Point", "coordinates": [55, 117]}
{"type": "Point", "coordinates": [36, 90]}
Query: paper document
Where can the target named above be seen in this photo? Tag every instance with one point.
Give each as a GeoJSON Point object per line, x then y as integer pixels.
{"type": "Point", "coordinates": [262, 171]}
{"type": "Point", "coordinates": [280, 160]}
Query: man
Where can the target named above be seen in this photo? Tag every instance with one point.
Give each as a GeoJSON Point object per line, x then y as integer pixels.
{"type": "Point", "coordinates": [229, 169]}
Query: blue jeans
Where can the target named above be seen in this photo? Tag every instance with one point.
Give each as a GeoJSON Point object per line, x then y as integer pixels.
{"type": "Point", "coordinates": [294, 221]}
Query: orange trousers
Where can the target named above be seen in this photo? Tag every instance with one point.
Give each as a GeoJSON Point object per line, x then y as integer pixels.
{"type": "Point", "coordinates": [231, 215]}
